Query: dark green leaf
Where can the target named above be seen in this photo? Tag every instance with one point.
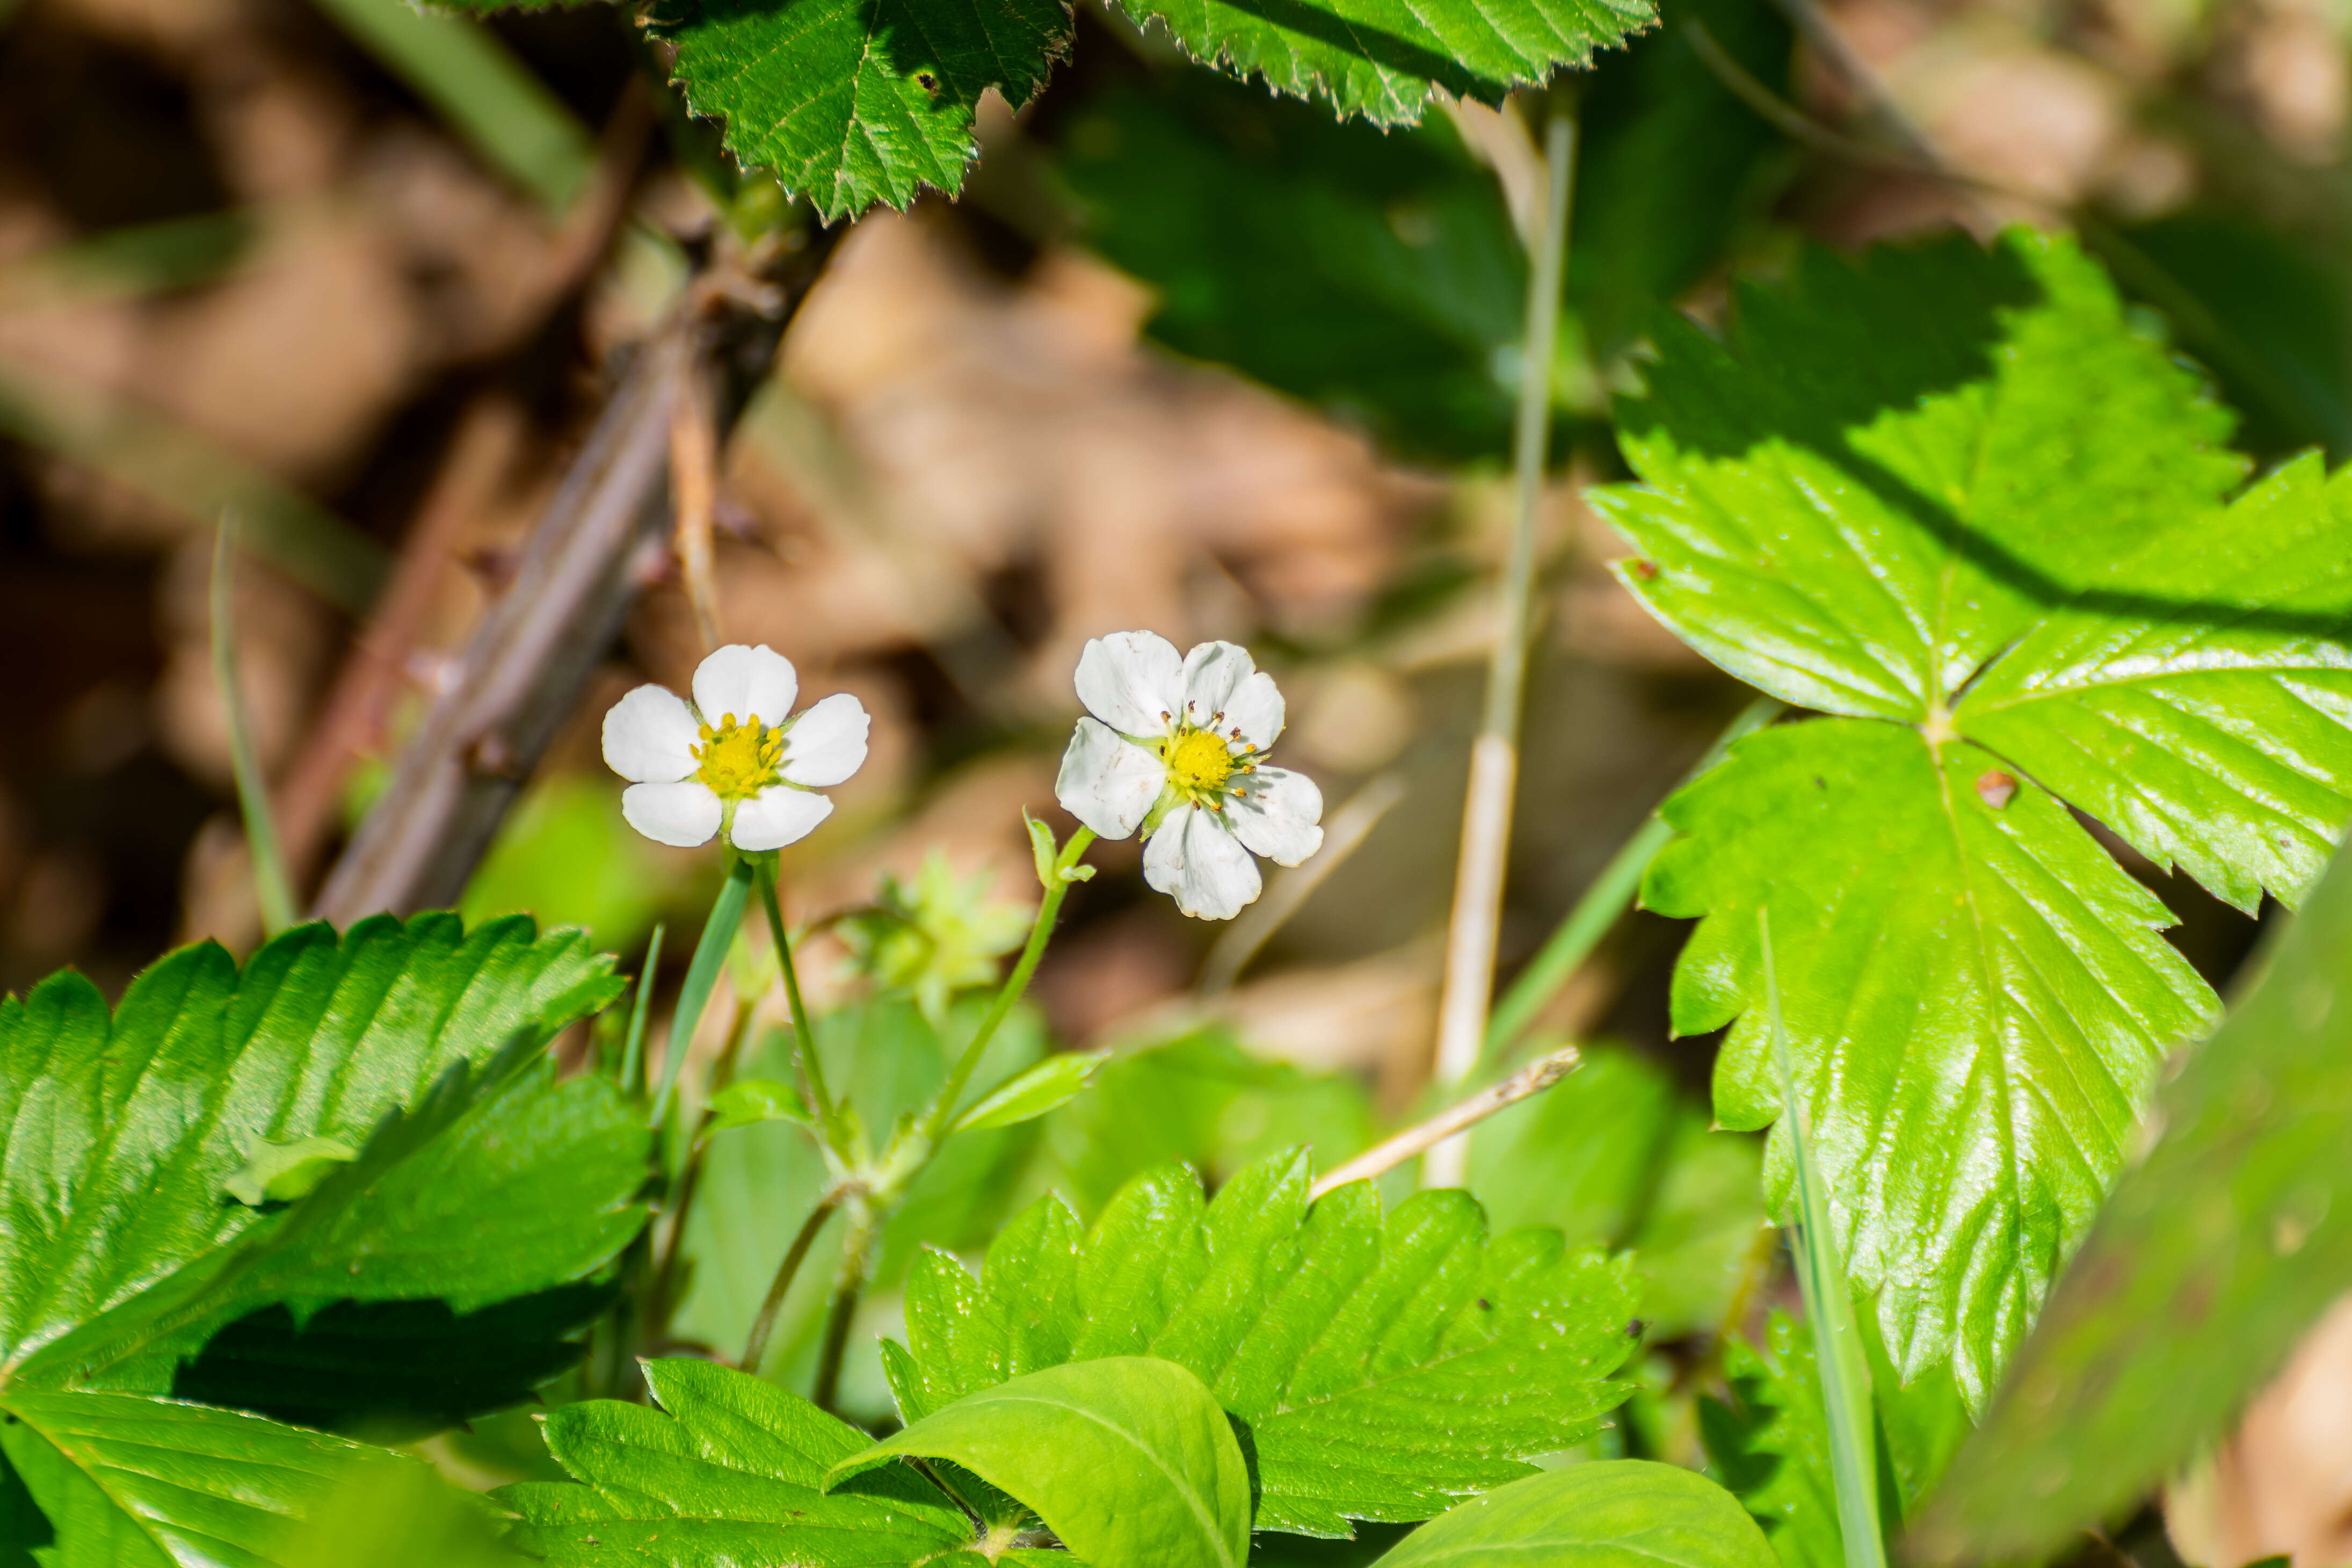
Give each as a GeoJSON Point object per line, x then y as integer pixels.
{"type": "Point", "coordinates": [853, 102]}
{"type": "Point", "coordinates": [1956, 492]}
{"type": "Point", "coordinates": [1611, 1513]}
{"type": "Point", "coordinates": [2214, 1255]}
{"type": "Point", "coordinates": [732, 1473]}
{"type": "Point", "coordinates": [1128, 1459]}
{"type": "Point", "coordinates": [1383, 1368]}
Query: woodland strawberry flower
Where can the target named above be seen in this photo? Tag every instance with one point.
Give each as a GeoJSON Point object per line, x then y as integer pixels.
{"type": "Point", "coordinates": [737, 759]}
{"type": "Point", "coordinates": [1176, 747]}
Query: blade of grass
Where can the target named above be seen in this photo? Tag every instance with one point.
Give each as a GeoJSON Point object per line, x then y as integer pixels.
{"type": "Point", "coordinates": [269, 884]}
{"type": "Point", "coordinates": [633, 1053]}
{"type": "Point", "coordinates": [701, 976]}
{"type": "Point", "coordinates": [1611, 894]}
{"type": "Point", "coordinates": [488, 97]}
{"type": "Point", "coordinates": [1837, 1343]}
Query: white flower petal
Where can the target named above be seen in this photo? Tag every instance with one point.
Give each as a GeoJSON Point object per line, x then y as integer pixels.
{"type": "Point", "coordinates": [1107, 782]}
{"type": "Point", "coordinates": [1132, 682]}
{"type": "Point", "coordinates": [1275, 815]}
{"type": "Point", "coordinates": [827, 743]}
{"type": "Point", "coordinates": [1253, 714]}
{"type": "Point", "coordinates": [1193, 859]}
{"type": "Point", "coordinates": [684, 814]}
{"type": "Point", "coordinates": [776, 816]}
{"type": "Point", "coordinates": [649, 736]}
{"type": "Point", "coordinates": [1211, 673]}
{"type": "Point", "coordinates": [748, 682]}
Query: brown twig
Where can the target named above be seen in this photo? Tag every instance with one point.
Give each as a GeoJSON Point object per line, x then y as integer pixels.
{"type": "Point", "coordinates": [694, 491]}
{"type": "Point", "coordinates": [1533, 1078]}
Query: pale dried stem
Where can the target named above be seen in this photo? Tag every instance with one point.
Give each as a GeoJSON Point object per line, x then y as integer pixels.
{"type": "Point", "coordinates": [694, 493]}
{"type": "Point", "coordinates": [1533, 1078]}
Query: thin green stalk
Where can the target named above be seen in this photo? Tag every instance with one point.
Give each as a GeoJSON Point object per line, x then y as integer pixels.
{"type": "Point", "coordinates": [701, 976]}
{"type": "Point", "coordinates": [1494, 756]}
{"type": "Point", "coordinates": [270, 885]}
{"type": "Point", "coordinates": [1610, 896]}
{"type": "Point", "coordinates": [935, 1120]}
{"type": "Point", "coordinates": [755, 1348]}
{"type": "Point", "coordinates": [632, 1052]}
{"type": "Point", "coordinates": [1838, 1354]}
{"type": "Point", "coordinates": [865, 1229]}
{"type": "Point", "coordinates": [828, 1115]}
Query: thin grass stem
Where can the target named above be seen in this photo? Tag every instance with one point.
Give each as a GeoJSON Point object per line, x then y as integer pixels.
{"type": "Point", "coordinates": [271, 889]}
{"type": "Point", "coordinates": [701, 977]}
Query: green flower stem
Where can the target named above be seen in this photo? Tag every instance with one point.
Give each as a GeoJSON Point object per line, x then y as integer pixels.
{"type": "Point", "coordinates": [1610, 896]}
{"type": "Point", "coordinates": [755, 1348]}
{"type": "Point", "coordinates": [935, 1120]}
{"type": "Point", "coordinates": [633, 1054]}
{"type": "Point", "coordinates": [828, 1115]}
{"type": "Point", "coordinates": [866, 1222]}
{"type": "Point", "coordinates": [701, 976]}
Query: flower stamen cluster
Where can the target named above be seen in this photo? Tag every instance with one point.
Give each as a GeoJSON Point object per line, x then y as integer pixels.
{"type": "Point", "coordinates": [740, 760]}
{"type": "Point", "coordinates": [1200, 768]}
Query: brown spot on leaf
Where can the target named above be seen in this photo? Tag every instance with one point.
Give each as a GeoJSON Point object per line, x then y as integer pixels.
{"type": "Point", "coordinates": [1994, 788]}
{"type": "Point", "coordinates": [1646, 571]}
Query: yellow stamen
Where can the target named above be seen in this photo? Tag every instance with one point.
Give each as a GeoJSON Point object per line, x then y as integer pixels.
{"type": "Point", "coordinates": [1198, 762]}
{"type": "Point", "coordinates": [739, 761]}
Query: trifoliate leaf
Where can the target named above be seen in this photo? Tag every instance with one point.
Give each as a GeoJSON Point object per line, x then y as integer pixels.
{"type": "Point", "coordinates": [1129, 1460]}
{"type": "Point", "coordinates": [1614, 1513]}
{"type": "Point", "coordinates": [131, 1482]}
{"type": "Point", "coordinates": [280, 1172]}
{"type": "Point", "coordinates": [734, 1472]}
{"type": "Point", "coordinates": [853, 102]}
{"type": "Point", "coordinates": [1959, 490]}
{"type": "Point", "coordinates": [118, 1137]}
{"type": "Point", "coordinates": [1383, 1367]}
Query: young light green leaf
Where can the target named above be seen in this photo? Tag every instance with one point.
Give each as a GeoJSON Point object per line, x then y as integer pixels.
{"type": "Point", "coordinates": [1844, 1369]}
{"type": "Point", "coordinates": [119, 1135]}
{"type": "Point", "coordinates": [1611, 1513]}
{"type": "Point", "coordinates": [1384, 1367]}
{"type": "Point", "coordinates": [131, 1482]}
{"type": "Point", "coordinates": [1129, 1459]}
{"type": "Point", "coordinates": [734, 1472]}
{"type": "Point", "coordinates": [2215, 1255]}
{"type": "Point", "coordinates": [1958, 491]}
{"type": "Point", "coordinates": [280, 1172]}
{"type": "Point", "coordinates": [751, 1100]}
{"type": "Point", "coordinates": [1030, 1093]}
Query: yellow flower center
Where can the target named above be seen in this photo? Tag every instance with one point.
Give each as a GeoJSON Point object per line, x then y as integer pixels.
{"type": "Point", "coordinates": [1198, 762]}
{"type": "Point", "coordinates": [739, 761]}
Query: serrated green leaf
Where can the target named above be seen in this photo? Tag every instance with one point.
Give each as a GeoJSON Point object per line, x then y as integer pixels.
{"type": "Point", "coordinates": [1769, 1443]}
{"type": "Point", "coordinates": [733, 1472]}
{"type": "Point", "coordinates": [2216, 1253]}
{"type": "Point", "coordinates": [132, 1482]}
{"type": "Point", "coordinates": [1385, 60]}
{"type": "Point", "coordinates": [1384, 1367]}
{"type": "Point", "coordinates": [1129, 1459]}
{"type": "Point", "coordinates": [1030, 1093]}
{"type": "Point", "coordinates": [1611, 1513]}
{"type": "Point", "coordinates": [1982, 989]}
{"type": "Point", "coordinates": [1957, 489]}
{"type": "Point", "coordinates": [853, 102]}
{"type": "Point", "coordinates": [119, 1136]}
{"type": "Point", "coordinates": [748, 1102]}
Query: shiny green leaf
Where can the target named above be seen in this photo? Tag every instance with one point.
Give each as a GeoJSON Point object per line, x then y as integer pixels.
{"type": "Point", "coordinates": [1611, 1513]}
{"type": "Point", "coordinates": [1129, 1459]}
{"type": "Point", "coordinates": [1030, 1093]}
{"type": "Point", "coordinates": [748, 1102]}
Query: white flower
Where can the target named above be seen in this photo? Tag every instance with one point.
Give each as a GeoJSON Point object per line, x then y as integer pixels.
{"type": "Point", "coordinates": [1175, 747]}
{"type": "Point", "coordinates": [736, 757]}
